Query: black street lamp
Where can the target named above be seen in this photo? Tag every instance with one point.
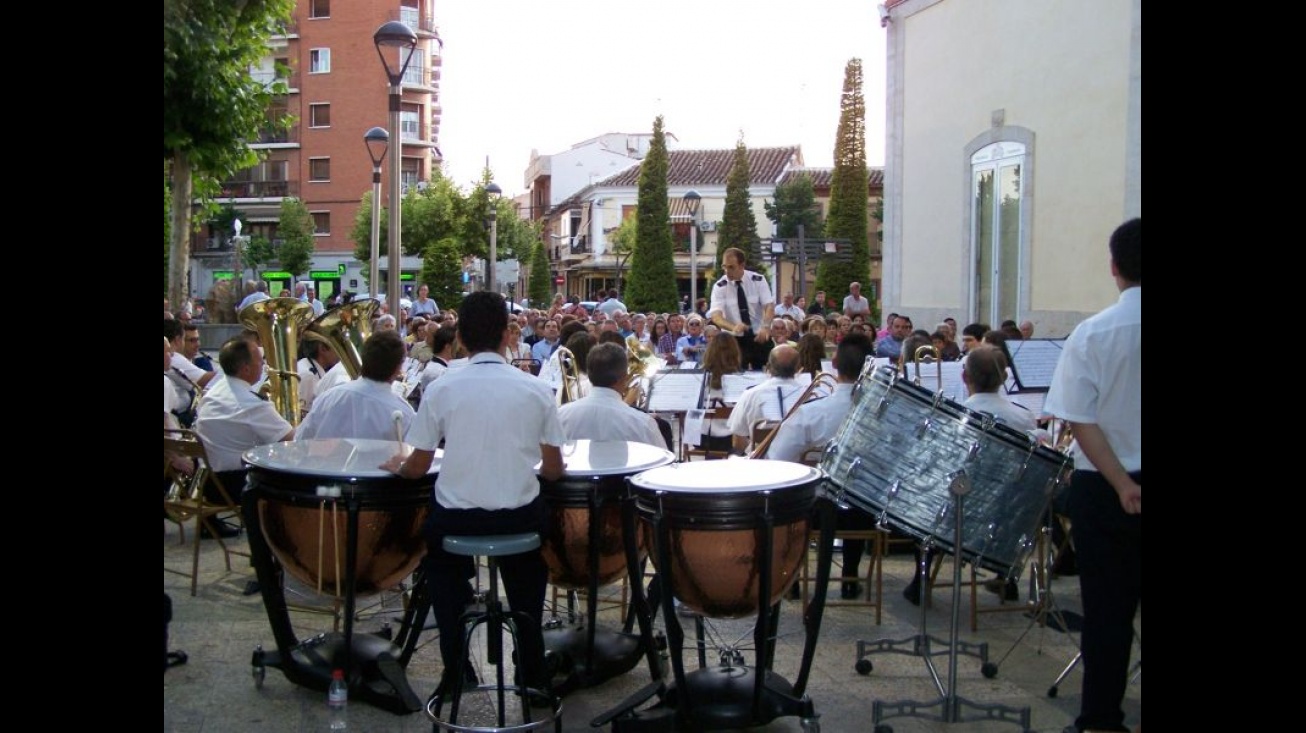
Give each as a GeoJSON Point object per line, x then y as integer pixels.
{"type": "Point", "coordinates": [377, 140]}
{"type": "Point", "coordinates": [692, 200]}
{"type": "Point", "coordinates": [492, 194]}
{"type": "Point", "coordinates": [396, 35]}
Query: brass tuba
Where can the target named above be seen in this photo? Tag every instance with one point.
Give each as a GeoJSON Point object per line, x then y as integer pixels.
{"type": "Point", "coordinates": [278, 322]}
{"type": "Point", "coordinates": [345, 328]}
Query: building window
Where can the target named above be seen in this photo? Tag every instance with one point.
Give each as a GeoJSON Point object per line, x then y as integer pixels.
{"type": "Point", "coordinates": [319, 169]}
{"type": "Point", "coordinates": [321, 223]}
{"type": "Point", "coordinates": [410, 125]}
{"type": "Point", "coordinates": [410, 174]}
{"type": "Point", "coordinates": [319, 60]}
{"type": "Point", "coordinates": [319, 9]}
{"type": "Point", "coordinates": [999, 200]}
{"type": "Point", "coordinates": [416, 71]}
{"type": "Point", "coordinates": [319, 115]}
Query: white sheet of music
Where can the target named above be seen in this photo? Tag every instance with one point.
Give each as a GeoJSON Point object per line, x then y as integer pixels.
{"type": "Point", "coordinates": [692, 432]}
{"type": "Point", "coordinates": [1034, 361]}
{"type": "Point", "coordinates": [1031, 400]}
{"type": "Point", "coordinates": [676, 391]}
{"type": "Point", "coordinates": [953, 388]}
{"type": "Point", "coordinates": [733, 385]}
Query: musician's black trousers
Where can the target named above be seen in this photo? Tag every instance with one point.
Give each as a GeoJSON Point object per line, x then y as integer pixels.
{"type": "Point", "coordinates": [525, 578]}
{"type": "Point", "coordinates": [1109, 553]}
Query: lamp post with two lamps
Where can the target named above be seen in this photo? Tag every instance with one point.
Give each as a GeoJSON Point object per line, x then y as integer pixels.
{"type": "Point", "coordinates": [492, 194]}
{"type": "Point", "coordinates": [692, 200]}
{"type": "Point", "coordinates": [377, 139]}
{"type": "Point", "coordinates": [396, 35]}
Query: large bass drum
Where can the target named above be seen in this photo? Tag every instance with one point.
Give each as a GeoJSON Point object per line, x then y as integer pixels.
{"type": "Point", "coordinates": [587, 498]}
{"type": "Point", "coordinates": [709, 518]}
{"type": "Point", "coordinates": [903, 451]}
{"type": "Point", "coordinates": [302, 488]}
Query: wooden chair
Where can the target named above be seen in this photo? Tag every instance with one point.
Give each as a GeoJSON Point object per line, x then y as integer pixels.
{"type": "Point", "coordinates": [185, 500]}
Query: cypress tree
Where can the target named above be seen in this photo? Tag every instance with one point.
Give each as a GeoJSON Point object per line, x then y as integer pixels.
{"type": "Point", "coordinates": [540, 288]}
{"type": "Point", "coordinates": [849, 190]}
{"type": "Point", "coordinates": [652, 282]}
{"type": "Point", "coordinates": [738, 223]}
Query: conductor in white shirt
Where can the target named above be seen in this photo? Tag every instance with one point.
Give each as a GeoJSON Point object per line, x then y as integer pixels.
{"type": "Point", "coordinates": [603, 413]}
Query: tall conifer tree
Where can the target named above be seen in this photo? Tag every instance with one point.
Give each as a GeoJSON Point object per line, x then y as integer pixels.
{"type": "Point", "coordinates": [652, 282]}
{"type": "Point", "coordinates": [849, 190]}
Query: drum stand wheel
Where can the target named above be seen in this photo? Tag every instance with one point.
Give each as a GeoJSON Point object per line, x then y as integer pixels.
{"type": "Point", "coordinates": [950, 707]}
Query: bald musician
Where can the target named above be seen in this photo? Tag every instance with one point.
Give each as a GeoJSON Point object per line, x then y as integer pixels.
{"type": "Point", "coordinates": [770, 399]}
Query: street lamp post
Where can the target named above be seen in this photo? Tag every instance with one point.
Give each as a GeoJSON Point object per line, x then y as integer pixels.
{"type": "Point", "coordinates": [237, 269]}
{"type": "Point", "coordinates": [492, 194]}
{"type": "Point", "coordinates": [395, 34]}
{"type": "Point", "coordinates": [692, 200]}
{"type": "Point", "coordinates": [377, 139]}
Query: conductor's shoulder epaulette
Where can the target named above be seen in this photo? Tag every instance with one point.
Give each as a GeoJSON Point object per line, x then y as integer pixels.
{"type": "Point", "coordinates": [722, 282]}
{"type": "Point", "coordinates": [758, 278]}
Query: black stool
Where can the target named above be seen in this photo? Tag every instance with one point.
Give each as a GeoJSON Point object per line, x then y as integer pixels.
{"type": "Point", "coordinates": [546, 705]}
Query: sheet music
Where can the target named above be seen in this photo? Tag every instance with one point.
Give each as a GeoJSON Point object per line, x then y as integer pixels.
{"type": "Point", "coordinates": [1034, 361]}
{"type": "Point", "coordinates": [1031, 400]}
{"type": "Point", "coordinates": [953, 388]}
{"type": "Point", "coordinates": [692, 431]}
{"type": "Point", "coordinates": [676, 390]}
{"type": "Point", "coordinates": [733, 385]}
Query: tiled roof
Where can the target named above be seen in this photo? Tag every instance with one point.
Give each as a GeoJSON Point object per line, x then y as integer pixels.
{"type": "Point", "coordinates": [821, 177]}
{"type": "Point", "coordinates": [711, 167]}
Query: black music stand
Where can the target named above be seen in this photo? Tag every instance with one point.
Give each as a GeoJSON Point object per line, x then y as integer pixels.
{"type": "Point", "coordinates": [732, 695]}
{"type": "Point", "coordinates": [951, 707]}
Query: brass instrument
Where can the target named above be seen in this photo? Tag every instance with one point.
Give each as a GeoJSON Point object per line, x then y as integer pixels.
{"type": "Point", "coordinates": [569, 390]}
{"type": "Point", "coordinates": [344, 329]}
{"type": "Point", "coordinates": [823, 379]}
{"type": "Point", "coordinates": [643, 364]}
{"type": "Point", "coordinates": [920, 356]}
{"type": "Point", "coordinates": [278, 322]}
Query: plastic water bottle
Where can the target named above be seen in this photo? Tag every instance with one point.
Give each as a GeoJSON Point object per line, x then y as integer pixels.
{"type": "Point", "coordinates": [338, 700]}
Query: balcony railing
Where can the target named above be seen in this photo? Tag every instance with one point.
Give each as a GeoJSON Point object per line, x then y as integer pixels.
{"type": "Point", "coordinates": [268, 78]}
{"type": "Point", "coordinates": [276, 136]}
{"type": "Point", "coordinates": [412, 18]}
{"type": "Point", "coordinates": [259, 189]}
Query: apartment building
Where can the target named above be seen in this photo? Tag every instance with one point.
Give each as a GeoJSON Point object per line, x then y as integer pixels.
{"type": "Point", "coordinates": [338, 90]}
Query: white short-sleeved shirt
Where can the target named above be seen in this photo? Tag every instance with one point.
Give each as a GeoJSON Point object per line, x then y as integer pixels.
{"type": "Point", "coordinates": [757, 291]}
{"type": "Point", "coordinates": [435, 368]}
{"type": "Point", "coordinates": [812, 425]}
{"type": "Point", "coordinates": [603, 415]}
{"type": "Point", "coordinates": [769, 400]}
{"type": "Point", "coordinates": [335, 376]}
{"type": "Point", "coordinates": [854, 305]}
{"type": "Point", "coordinates": [363, 408]}
{"type": "Point", "coordinates": [1099, 379]}
{"type": "Point", "coordinates": [310, 373]}
{"type": "Point", "coordinates": [1009, 413]}
{"type": "Point", "coordinates": [792, 311]}
{"type": "Point", "coordinates": [492, 418]}
{"type": "Point", "coordinates": [232, 419]}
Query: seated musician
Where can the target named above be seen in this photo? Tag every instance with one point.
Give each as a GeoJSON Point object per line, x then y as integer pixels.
{"type": "Point", "coordinates": [813, 425]}
{"type": "Point", "coordinates": [603, 413]}
{"type": "Point", "coordinates": [721, 358]}
{"type": "Point", "coordinates": [233, 417]}
{"type": "Point", "coordinates": [768, 400]}
{"type": "Point", "coordinates": [318, 359]}
{"type": "Point", "coordinates": [364, 407]}
{"type": "Point", "coordinates": [496, 423]}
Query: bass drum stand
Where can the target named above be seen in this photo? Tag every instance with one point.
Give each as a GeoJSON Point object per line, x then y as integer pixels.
{"type": "Point", "coordinates": [373, 665]}
{"type": "Point", "coordinates": [951, 707]}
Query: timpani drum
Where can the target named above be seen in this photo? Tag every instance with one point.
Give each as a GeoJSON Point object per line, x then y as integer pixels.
{"type": "Point", "coordinates": [325, 512]}
{"type": "Point", "coordinates": [587, 498]}
{"type": "Point", "coordinates": [712, 514]}
{"type": "Point", "coordinates": [903, 452]}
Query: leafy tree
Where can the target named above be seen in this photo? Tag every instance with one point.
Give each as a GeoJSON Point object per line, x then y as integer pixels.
{"type": "Point", "coordinates": [296, 231]}
{"type": "Point", "coordinates": [257, 253]}
{"type": "Point", "coordinates": [442, 271]}
{"type": "Point", "coordinates": [738, 223]}
{"type": "Point", "coordinates": [622, 244]}
{"type": "Point", "coordinates": [540, 287]}
{"type": "Point", "coordinates": [795, 203]}
{"type": "Point", "coordinates": [849, 189]}
{"type": "Point", "coordinates": [211, 103]}
{"type": "Point", "coordinates": [652, 284]}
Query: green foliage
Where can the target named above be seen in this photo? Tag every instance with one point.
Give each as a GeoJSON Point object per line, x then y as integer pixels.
{"type": "Point", "coordinates": [622, 245]}
{"type": "Point", "coordinates": [795, 203]}
{"type": "Point", "coordinates": [738, 223]}
{"type": "Point", "coordinates": [849, 192]}
{"type": "Point", "coordinates": [257, 253]}
{"type": "Point", "coordinates": [540, 287]}
{"type": "Point", "coordinates": [442, 271]}
{"type": "Point", "coordinates": [652, 284]}
{"type": "Point", "coordinates": [211, 103]}
{"type": "Point", "coordinates": [296, 231]}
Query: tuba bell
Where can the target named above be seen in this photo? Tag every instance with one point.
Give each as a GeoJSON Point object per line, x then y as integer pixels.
{"type": "Point", "coordinates": [345, 328]}
{"type": "Point", "coordinates": [278, 322]}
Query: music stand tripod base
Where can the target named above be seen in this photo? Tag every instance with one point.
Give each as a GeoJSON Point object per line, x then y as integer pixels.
{"type": "Point", "coordinates": [730, 690]}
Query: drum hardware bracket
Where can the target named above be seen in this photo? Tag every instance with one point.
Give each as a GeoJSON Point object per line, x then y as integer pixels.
{"type": "Point", "coordinates": [329, 490]}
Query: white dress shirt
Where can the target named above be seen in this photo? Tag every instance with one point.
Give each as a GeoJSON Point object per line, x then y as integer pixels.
{"type": "Point", "coordinates": [769, 400]}
{"type": "Point", "coordinates": [335, 376]}
{"type": "Point", "coordinates": [363, 408]}
{"type": "Point", "coordinates": [1007, 412]}
{"type": "Point", "coordinates": [492, 418]}
{"type": "Point", "coordinates": [812, 425]}
{"type": "Point", "coordinates": [232, 419]}
{"type": "Point", "coordinates": [1099, 379]}
{"type": "Point", "coordinates": [757, 291]}
{"type": "Point", "coordinates": [603, 415]}
{"type": "Point", "coordinates": [310, 373]}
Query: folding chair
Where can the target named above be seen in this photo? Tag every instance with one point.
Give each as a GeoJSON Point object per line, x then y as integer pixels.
{"type": "Point", "coordinates": [185, 499]}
